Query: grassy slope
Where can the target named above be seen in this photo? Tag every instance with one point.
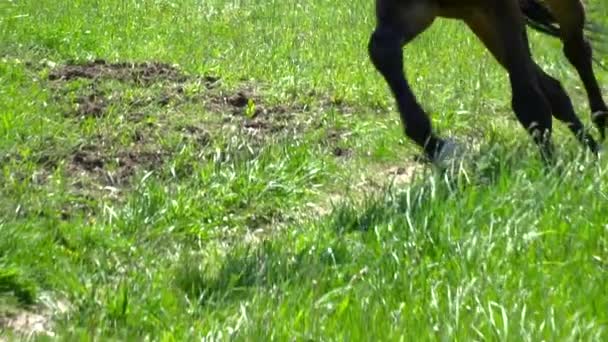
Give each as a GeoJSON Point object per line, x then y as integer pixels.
{"type": "Point", "coordinates": [501, 250]}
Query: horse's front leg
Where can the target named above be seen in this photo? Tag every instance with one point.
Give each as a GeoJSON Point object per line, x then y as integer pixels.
{"type": "Point", "coordinates": [398, 22]}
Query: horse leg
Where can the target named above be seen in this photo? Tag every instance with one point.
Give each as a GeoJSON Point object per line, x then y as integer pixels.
{"type": "Point", "coordinates": [501, 29]}
{"type": "Point", "coordinates": [570, 14]}
{"type": "Point", "coordinates": [563, 110]}
{"type": "Point", "coordinates": [398, 22]}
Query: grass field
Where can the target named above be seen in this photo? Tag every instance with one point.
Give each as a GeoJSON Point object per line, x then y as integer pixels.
{"type": "Point", "coordinates": [236, 170]}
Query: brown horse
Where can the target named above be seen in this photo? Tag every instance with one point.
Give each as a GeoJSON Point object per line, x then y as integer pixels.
{"type": "Point", "coordinates": [501, 26]}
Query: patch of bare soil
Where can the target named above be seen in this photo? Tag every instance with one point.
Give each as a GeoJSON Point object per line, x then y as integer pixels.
{"type": "Point", "coordinates": [250, 112]}
{"type": "Point", "coordinates": [91, 105]}
{"type": "Point", "coordinates": [32, 322]}
{"type": "Point", "coordinates": [333, 138]}
{"type": "Point", "coordinates": [140, 73]}
{"type": "Point", "coordinates": [197, 134]}
{"type": "Point", "coordinates": [94, 100]}
{"type": "Point", "coordinates": [376, 180]}
{"type": "Point", "coordinates": [241, 106]}
{"type": "Point", "coordinates": [143, 96]}
{"type": "Point", "coordinates": [114, 167]}
{"type": "Point", "coordinates": [401, 175]}
{"type": "Point", "coordinates": [104, 160]}
{"type": "Point", "coordinates": [27, 324]}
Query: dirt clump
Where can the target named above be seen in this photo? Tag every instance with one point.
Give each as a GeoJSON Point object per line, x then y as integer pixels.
{"type": "Point", "coordinates": [335, 138]}
{"type": "Point", "coordinates": [238, 100]}
{"type": "Point", "coordinates": [91, 105]}
{"type": "Point", "coordinates": [114, 168]}
{"type": "Point", "coordinates": [200, 136]}
{"type": "Point", "coordinates": [140, 73]}
{"type": "Point", "coordinates": [88, 159]}
{"type": "Point", "coordinates": [342, 152]}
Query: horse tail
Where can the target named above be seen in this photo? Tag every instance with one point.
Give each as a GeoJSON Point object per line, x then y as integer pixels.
{"type": "Point", "coordinates": [539, 17]}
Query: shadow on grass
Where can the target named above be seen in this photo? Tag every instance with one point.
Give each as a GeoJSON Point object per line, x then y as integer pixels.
{"type": "Point", "coordinates": [217, 277]}
{"type": "Point", "coordinates": [14, 284]}
{"type": "Point", "coordinates": [420, 199]}
{"type": "Point", "coordinates": [220, 278]}
{"type": "Point", "coordinates": [418, 218]}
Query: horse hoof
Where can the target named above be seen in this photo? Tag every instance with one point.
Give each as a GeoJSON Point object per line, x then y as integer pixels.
{"type": "Point", "coordinates": [600, 114]}
{"type": "Point", "coordinates": [450, 154]}
{"type": "Point", "coordinates": [600, 119]}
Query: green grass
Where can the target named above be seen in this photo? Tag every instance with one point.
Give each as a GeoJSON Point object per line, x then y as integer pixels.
{"type": "Point", "coordinates": [171, 214]}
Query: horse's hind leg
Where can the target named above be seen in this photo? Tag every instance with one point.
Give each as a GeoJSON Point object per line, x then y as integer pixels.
{"type": "Point", "coordinates": [563, 110]}
{"type": "Point", "coordinates": [570, 14]}
{"type": "Point", "coordinates": [398, 22]}
{"type": "Point", "coordinates": [501, 29]}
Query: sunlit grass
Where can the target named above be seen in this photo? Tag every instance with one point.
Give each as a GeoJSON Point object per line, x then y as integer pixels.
{"type": "Point", "coordinates": [292, 230]}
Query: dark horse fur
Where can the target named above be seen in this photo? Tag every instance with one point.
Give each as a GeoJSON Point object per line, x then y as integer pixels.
{"type": "Point", "coordinates": [501, 26]}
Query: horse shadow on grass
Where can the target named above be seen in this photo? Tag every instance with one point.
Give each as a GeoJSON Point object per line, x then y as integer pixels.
{"type": "Point", "coordinates": [217, 279]}
{"type": "Point", "coordinates": [227, 274]}
{"type": "Point", "coordinates": [488, 167]}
